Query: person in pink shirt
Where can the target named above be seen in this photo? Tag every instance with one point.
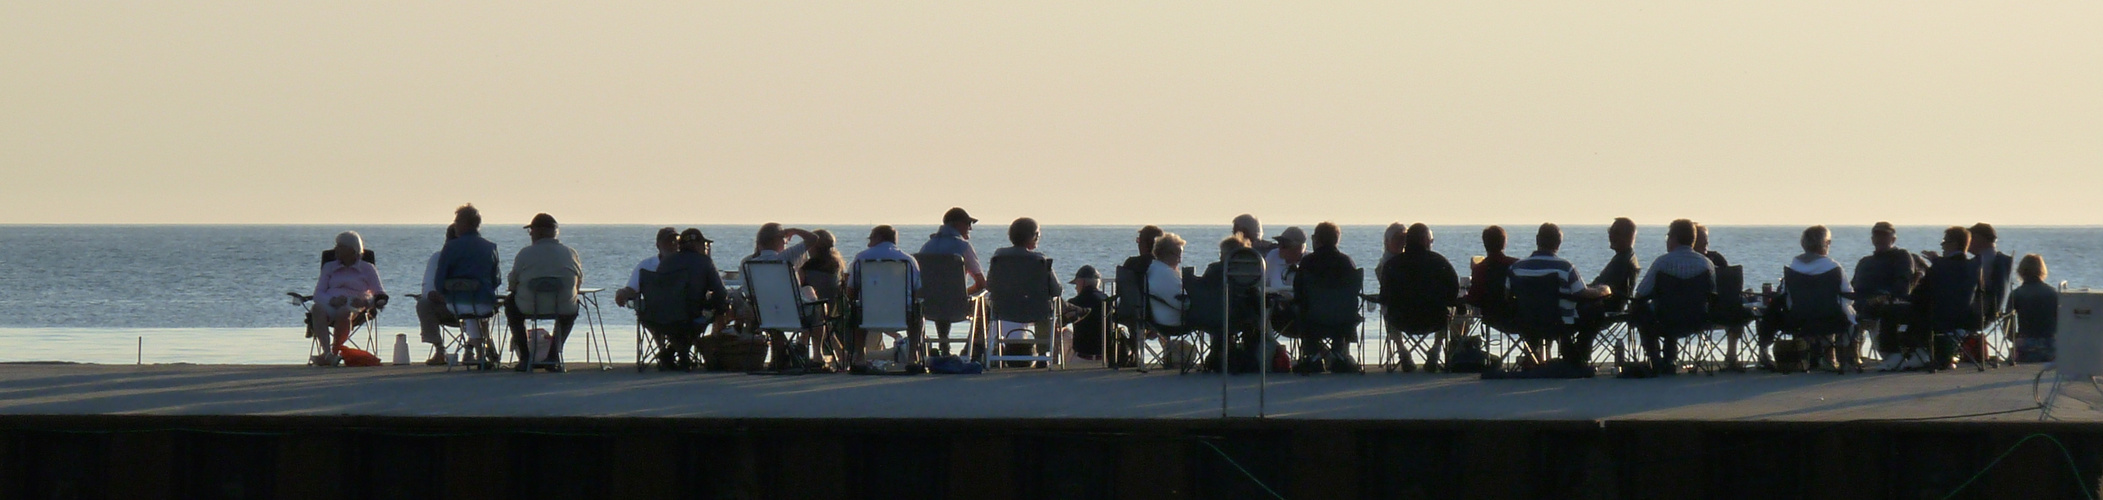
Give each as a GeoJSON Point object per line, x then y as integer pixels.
{"type": "Point", "coordinates": [346, 289]}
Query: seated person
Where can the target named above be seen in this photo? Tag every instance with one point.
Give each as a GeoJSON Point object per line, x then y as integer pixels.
{"type": "Point", "coordinates": [1417, 292]}
{"type": "Point", "coordinates": [1085, 314]}
{"type": "Point", "coordinates": [546, 257]}
{"type": "Point", "coordinates": [883, 245]}
{"type": "Point", "coordinates": [705, 295]}
{"type": "Point", "coordinates": [2036, 306]}
{"type": "Point", "coordinates": [1280, 266]}
{"type": "Point", "coordinates": [1486, 291]}
{"type": "Point", "coordinates": [1993, 267]}
{"type": "Point", "coordinates": [1619, 275]}
{"type": "Point", "coordinates": [771, 243]}
{"type": "Point", "coordinates": [1815, 300]}
{"type": "Point", "coordinates": [1948, 298]}
{"type": "Point", "coordinates": [348, 288]}
{"type": "Point", "coordinates": [1701, 246]}
{"type": "Point", "coordinates": [1883, 281]}
{"type": "Point", "coordinates": [822, 272]}
{"type": "Point", "coordinates": [667, 244]}
{"type": "Point", "coordinates": [1669, 318]}
{"type": "Point", "coordinates": [431, 314]}
{"type": "Point", "coordinates": [1327, 266]}
{"type": "Point", "coordinates": [1567, 288]}
{"type": "Point", "coordinates": [1164, 286]}
{"type": "Point", "coordinates": [471, 257]}
{"type": "Point", "coordinates": [1023, 234]}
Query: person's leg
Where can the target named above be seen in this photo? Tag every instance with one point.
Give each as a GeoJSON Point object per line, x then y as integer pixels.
{"type": "Point", "coordinates": [563, 325]}
{"type": "Point", "coordinates": [517, 321]}
{"type": "Point", "coordinates": [1049, 330]}
{"type": "Point", "coordinates": [1578, 350]}
{"type": "Point", "coordinates": [431, 321]}
{"type": "Point", "coordinates": [1654, 347]}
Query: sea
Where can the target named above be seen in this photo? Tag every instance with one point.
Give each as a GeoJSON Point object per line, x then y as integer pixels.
{"type": "Point", "coordinates": [217, 294]}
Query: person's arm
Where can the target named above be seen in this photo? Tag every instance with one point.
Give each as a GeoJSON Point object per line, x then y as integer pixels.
{"type": "Point", "coordinates": [717, 294]}
{"type": "Point", "coordinates": [971, 268]}
{"type": "Point", "coordinates": [1649, 277]}
{"type": "Point", "coordinates": [321, 284]}
{"type": "Point", "coordinates": [430, 286]}
{"type": "Point", "coordinates": [372, 276]}
{"type": "Point", "coordinates": [1449, 282]}
{"type": "Point", "coordinates": [576, 269]}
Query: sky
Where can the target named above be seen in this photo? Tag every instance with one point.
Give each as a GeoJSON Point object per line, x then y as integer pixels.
{"type": "Point", "coordinates": [1074, 112]}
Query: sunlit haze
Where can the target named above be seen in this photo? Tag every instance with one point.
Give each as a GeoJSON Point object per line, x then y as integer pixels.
{"type": "Point", "coordinates": [1072, 112]}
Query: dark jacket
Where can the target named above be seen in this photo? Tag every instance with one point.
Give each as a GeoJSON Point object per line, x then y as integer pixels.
{"type": "Point", "coordinates": [704, 285]}
{"type": "Point", "coordinates": [1088, 331]}
{"type": "Point", "coordinates": [1888, 273]}
{"type": "Point", "coordinates": [1621, 274]}
{"type": "Point", "coordinates": [1418, 290]}
{"type": "Point", "coordinates": [2036, 308]}
{"type": "Point", "coordinates": [471, 256]}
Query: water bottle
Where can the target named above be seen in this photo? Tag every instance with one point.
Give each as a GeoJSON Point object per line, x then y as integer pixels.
{"type": "Point", "coordinates": [401, 349]}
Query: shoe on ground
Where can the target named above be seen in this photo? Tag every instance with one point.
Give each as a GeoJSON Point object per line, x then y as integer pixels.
{"type": "Point", "coordinates": [437, 359]}
{"type": "Point", "coordinates": [553, 367]}
{"type": "Point", "coordinates": [1343, 363]}
{"type": "Point", "coordinates": [1307, 365]}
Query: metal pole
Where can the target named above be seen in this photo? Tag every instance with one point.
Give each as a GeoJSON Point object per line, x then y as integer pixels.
{"type": "Point", "coordinates": [1263, 336]}
{"type": "Point", "coordinates": [142, 351]}
{"type": "Point", "coordinates": [1226, 331]}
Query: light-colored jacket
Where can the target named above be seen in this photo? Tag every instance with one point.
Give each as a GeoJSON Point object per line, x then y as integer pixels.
{"type": "Point", "coordinates": [546, 258]}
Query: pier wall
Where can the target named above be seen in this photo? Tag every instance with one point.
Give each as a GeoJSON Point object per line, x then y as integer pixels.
{"type": "Point", "coordinates": [154, 457]}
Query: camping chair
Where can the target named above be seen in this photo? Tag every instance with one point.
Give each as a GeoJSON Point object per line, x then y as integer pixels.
{"type": "Point", "coordinates": [1331, 308]}
{"type": "Point", "coordinates": [546, 302]}
{"type": "Point", "coordinates": [884, 303]}
{"type": "Point", "coordinates": [1731, 313]}
{"type": "Point", "coordinates": [1414, 336]}
{"type": "Point", "coordinates": [366, 321]}
{"type": "Point", "coordinates": [1677, 311]}
{"type": "Point", "coordinates": [780, 308]}
{"type": "Point", "coordinates": [471, 345]}
{"type": "Point", "coordinates": [669, 308]}
{"type": "Point", "coordinates": [1132, 312]}
{"type": "Point", "coordinates": [1204, 311]}
{"type": "Point", "coordinates": [1812, 312]}
{"type": "Point", "coordinates": [1997, 323]}
{"type": "Point", "coordinates": [1015, 286]}
{"type": "Point", "coordinates": [1537, 319]}
{"type": "Point", "coordinates": [945, 298]}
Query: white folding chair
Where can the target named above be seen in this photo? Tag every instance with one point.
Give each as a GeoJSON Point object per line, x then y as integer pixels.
{"type": "Point", "coordinates": [885, 304]}
{"type": "Point", "coordinates": [771, 285]}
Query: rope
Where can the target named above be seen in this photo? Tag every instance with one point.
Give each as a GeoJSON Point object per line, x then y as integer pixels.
{"type": "Point", "coordinates": [2072, 466]}
{"type": "Point", "coordinates": [1245, 472]}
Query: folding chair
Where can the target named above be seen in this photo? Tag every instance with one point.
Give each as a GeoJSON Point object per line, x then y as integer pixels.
{"type": "Point", "coordinates": [367, 321]}
{"type": "Point", "coordinates": [1015, 286]}
{"type": "Point", "coordinates": [780, 308]}
{"type": "Point", "coordinates": [1678, 313]}
{"type": "Point", "coordinates": [1812, 312]}
{"type": "Point", "coordinates": [1997, 323]}
{"type": "Point", "coordinates": [1732, 313]}
{"type": "Point", "coordinates": [884, 303]}
{"type": "Point", "coordinates": [946, 298]}
{"type": "Point", "coordinates": [1413, 335]}
{"type": "Point", "coordinates": [1537, 319]}
{"type": "Point", "coordinates": [473, 306]}
{"type": "Point", "coordinates": [1328, 308]}
{"type": "Point", "coordinates": [1132, 313]}
{"type": "Point", "coordinates": [668, 308]}
{"type": "Point", "coordinates": [547, 300]}
{"type": "Point", "coordinates": [1205, 312]}
{"type": "Point", "coordinates": [1242, 310]}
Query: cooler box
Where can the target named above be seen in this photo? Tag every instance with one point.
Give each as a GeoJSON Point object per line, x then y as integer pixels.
{"type": "Point", "coordinates": [2080, 338]}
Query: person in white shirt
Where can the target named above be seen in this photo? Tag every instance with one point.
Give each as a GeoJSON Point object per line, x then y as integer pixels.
{"type": "Point", "coordinates": [1279, 265]}
{"type": "Point", "coordinates": [1164, 281]}
{"type": "Point", "coordinates": [431, 313]}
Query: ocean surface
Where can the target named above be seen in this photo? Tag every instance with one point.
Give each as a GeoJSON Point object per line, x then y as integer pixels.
{"type": "Point", "coordinates": [216, 294]}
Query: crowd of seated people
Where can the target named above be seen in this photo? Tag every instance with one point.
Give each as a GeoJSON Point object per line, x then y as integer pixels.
{"type": "Point", "coordinates": [1918, 310]}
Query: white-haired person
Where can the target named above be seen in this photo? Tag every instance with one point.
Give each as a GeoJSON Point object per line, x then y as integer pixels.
{"type": "Point", "coordinates": [348, 286]}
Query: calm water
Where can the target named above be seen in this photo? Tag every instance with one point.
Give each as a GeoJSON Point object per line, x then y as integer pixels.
{"type": "Point", "coordinates": [215, 294]}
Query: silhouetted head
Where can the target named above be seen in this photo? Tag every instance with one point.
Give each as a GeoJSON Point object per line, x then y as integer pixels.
{"type": "Point", "coordinates": [1680, 233]}
{"type": "Point", "coordinates": [1622, 235]}
{"type": "Point", "coordinates": [467, 219]}
{"type": "Point", "coordinates": [1817, 239]}
{"type": "Point", "coordinates": [1955, 240]}
{"type": "Point", "coordinates": [1419, 237]}
{"type": "Point", "coordinates": [1493, 239]}
{"type": "Point", "coordinates": [1147, 235]}
{"type": "Point", "coordinates": [1549, 238]}
{"type": "Point", "coordinates": [1023, 233]}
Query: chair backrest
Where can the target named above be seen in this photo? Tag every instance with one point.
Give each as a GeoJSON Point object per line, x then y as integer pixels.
{"type": "Point", "coordinates": [944, 296]}
{"type": "Point", "coordinates": [464, 298]}
{"type": "Point", "coordinates": [1206, 300]}
{"type": "Point", "coordinates": [772, 286]}
{"type": "Point", "coordinates": [330, 255]}
{"type": "Point", "coordinates": [548, 294]}
{"type": "Point", "coordinates": [1993, 287]}
{"type": "Point", "coordinates": [1729, 307]}
{"type": "Point", "coordinates": [665, 300]}
{"type": "Point", "coordinates": [1244, 270]}
{"type": "Point", "coordinates": [886, 294]}
{"type": "Point", "coordinates": [1680, 306]}
{"type": "Point", "coordinates": [1131, 307]}
{"type": "Point", "coordinates": [1496, 297]}
{"type": "Point", "coordinates": [1333, 304]}
{"type": "Point", "coordinates": [1814, 302]}
{"type": "Point", "coordinates": [1016, 285]}
{"type": "Point", "coordinates": [1537, 305]}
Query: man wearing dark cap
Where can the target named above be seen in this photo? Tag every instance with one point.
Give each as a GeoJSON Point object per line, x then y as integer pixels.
{"type": "Point", "coordinates": [704, 292]}
{"type": "Point", "coordinates": [1882, 281]}
{"type": "Point", "coordinates": [954, 238]}
{"type": "Point", "coordinates": [1088, 303]}
{"type": "Point", "coordinates": [546, 257]}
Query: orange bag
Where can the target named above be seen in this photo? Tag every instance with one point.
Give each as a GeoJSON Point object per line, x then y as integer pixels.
{"type": "Point", "coordinates": [353, 356]}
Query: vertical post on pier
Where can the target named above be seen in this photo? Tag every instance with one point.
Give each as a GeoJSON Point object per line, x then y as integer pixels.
{"type": "Point", "coordinates": [141, 360]}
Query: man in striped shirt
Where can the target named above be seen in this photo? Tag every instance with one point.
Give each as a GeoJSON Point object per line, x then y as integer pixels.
{"type": "Point", "coordinates": [1575, 344]}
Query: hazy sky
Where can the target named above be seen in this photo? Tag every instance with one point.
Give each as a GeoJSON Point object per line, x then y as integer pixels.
{"type": "Point", "coordinates": [1075, 112]}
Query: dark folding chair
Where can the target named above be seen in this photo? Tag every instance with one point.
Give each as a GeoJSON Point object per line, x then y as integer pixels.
{"type": "Point", "coordinates": [1537, 319]}
{"type": "Point", "coordinates": [1677, 312]}
{"type": "Point", "coordinates": [1327, 308]}
{"type": "Point", "coordinates": [1812, 312]}
{"type": "Point", "coordinates": [669, 308]}
{"type": "Point", "coordinates": [946, 298]}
